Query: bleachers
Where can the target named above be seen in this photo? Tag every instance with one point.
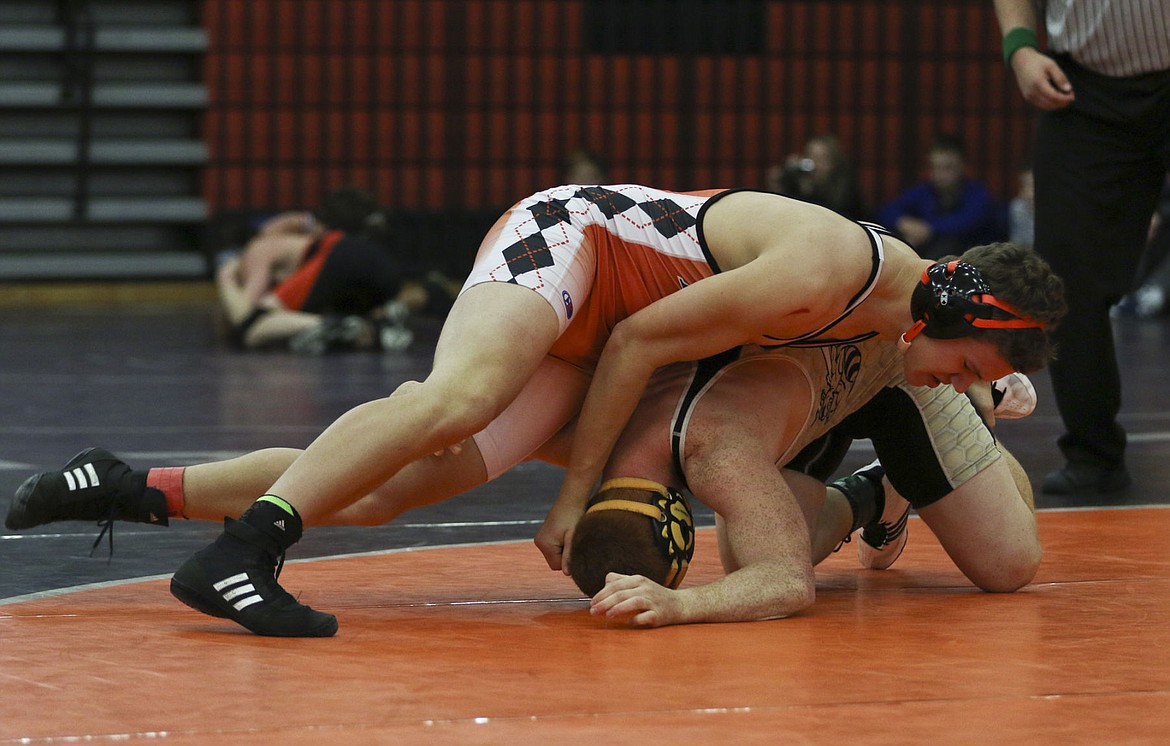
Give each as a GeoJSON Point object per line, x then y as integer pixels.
{"type": "Point", "coordinates": [100, 150]}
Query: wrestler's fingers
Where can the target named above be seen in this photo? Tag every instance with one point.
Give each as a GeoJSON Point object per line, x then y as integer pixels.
{"type": "Point", "coordinates": [612, 593]}
{"type": "Point", "coordinates": [626, 605]}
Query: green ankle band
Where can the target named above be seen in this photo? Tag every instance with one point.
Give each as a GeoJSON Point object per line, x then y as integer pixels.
{"type": "Point", "coordinates": [279, 502]}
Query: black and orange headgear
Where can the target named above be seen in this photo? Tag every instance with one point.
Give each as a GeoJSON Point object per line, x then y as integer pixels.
{"type": "Point", "coordinates": [953, 300]}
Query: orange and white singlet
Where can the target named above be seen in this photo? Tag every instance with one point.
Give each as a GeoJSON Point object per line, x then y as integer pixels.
{"type": "Point", "coordinates": [597, 254]}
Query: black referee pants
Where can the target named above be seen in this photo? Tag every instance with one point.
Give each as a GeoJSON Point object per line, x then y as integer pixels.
{"type": "Point", "coordinates": [1099, 166]}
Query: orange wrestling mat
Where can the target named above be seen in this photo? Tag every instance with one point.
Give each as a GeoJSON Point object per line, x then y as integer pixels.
{"type": "Point", "coordinates": [484, 645]}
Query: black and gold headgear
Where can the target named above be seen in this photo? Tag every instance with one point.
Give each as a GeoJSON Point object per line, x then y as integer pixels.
{"type": "Point", "coordinates": [674, 526]}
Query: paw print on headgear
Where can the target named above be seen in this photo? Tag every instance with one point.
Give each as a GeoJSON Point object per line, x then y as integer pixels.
{"type": "Point", "coordinates": [674, 525]}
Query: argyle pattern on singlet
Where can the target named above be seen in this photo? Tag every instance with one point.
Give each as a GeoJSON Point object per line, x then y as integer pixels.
{"type": "Point", "coordinates": [532, 252]}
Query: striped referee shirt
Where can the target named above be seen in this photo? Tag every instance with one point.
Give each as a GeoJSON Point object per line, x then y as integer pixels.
{"type": "Point", "coordinates": [1118, 38]}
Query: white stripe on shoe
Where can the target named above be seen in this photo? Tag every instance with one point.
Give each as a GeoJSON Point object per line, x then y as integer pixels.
{"type": "Point", "coordinates": [233, 580]}
{"type": "Point", "coordinates": [81, 477]}
{"type": "Point", "coordinates": [249, 588]}
{"type": "Point", "coordinates": [246, 602]}
{"type": "Point", "coordinates": [237, 585]}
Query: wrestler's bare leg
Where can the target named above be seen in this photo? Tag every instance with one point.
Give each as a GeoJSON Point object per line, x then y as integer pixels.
{"type": "Point", "coordinates": [494, 339]}
{"type": "Point", "coordinates": [552, 396]}
{"type": "Point", "coordinates": [835, 521]}
{"type": "Point", "coordinates": [988, 527]}
{"type": "Point", "coordinates": [228, 487]}
{"type": "Point", "coordinates": [426, 481]}
{"type": "Point", "coordinates": [219, 488]}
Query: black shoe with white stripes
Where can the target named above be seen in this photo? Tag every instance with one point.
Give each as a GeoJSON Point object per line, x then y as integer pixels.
{"type": "Point", "coordinates": [882, 540]}
{"type": "Point", "coordinates": [235, 577]}
{"type": "Point", "coordinates": [95, 485]}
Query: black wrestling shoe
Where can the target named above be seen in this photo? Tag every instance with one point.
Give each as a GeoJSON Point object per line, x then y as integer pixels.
{"type": "Point", "coordinates": [95, 485]}
{"type": "Point", "coordinates": [235, 577]}
{"type": "Point", "coordinates": [1086, 479]}
{"type": "Point", "coordinates": [881, 540]}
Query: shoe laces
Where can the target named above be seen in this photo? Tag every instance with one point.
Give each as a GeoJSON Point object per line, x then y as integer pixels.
{"type": "Point", "coordinates": [107, 531]}
{"type": "Point", "coordinates": [278, 596]}
{"type": "Point", "coordinates": [847, 540]}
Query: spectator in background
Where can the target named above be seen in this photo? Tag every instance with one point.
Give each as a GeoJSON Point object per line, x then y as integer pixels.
{"type": "Point", "coordinates": [821, 175]}
{"type": "Point", "coordinates": [1153, 283]}
{"type": "Point", "coordinates": [583, 166]}
{"type": "Point", "coordinates": [1100, 157]}
{"type": "Point", "coordinates": [947, 214]}
{"type": "Point", "coordinates": [1022, 211]}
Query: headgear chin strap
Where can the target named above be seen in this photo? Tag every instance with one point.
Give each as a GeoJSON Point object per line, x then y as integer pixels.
{"type": "Point", "coordinates": [953, 300]}
{"type": "Point", "coordinates": [674, 526]}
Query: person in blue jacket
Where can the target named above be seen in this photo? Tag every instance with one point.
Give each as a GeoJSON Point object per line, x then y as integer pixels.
{"type": "Point", "coordinates": [947, 214]}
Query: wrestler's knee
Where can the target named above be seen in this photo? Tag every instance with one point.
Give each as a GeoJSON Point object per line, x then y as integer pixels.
{"type": "Point", "coordinates": [470, 411]}
{"type": "Point", "coordinates": [1011, 570]}
{"type": "Point", "coordinates": [458, 411]}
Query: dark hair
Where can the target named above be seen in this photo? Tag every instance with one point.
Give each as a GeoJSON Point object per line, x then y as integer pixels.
{"type": "Point", "coordinates": [1019, 276]}
{"type": "Point", "coordinates": [348, 209]}
{"type": "Point", "coordinates": [949, 143]}
{"type": "Point", "coordinates": [625, 541]}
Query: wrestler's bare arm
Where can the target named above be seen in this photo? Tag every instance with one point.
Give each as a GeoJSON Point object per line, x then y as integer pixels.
{"type": "Point", "coordinates": [707, 318]}
{"type": "Point", "coordinates": [767, 535]}
{"type": "Point", "coordinates": [268, 256]}
{"type": "Point", "coordinates": [735, 435]}
{"type": "Point", "coordinates": [789, 268]}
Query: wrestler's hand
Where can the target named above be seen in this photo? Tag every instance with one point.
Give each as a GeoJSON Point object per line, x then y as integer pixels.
{"type": "Point", "coordinates": [556, 535]}
{"type": "Point", "coordinates": [1041, 80]}
{"type": "Point", "coordinates": [636, 600]}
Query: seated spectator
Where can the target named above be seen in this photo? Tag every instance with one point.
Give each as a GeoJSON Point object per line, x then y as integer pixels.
{"type": "Point", "coordinates": [583, 166]}
{"type": "Point", "coordinates": [1022, 211]}
{"type": "Point", "coordinates": [821, 175]}
{"type": "Point", "coordinates": [948, 213]}
{"type": "Point", "coordinates": [1153, 277]}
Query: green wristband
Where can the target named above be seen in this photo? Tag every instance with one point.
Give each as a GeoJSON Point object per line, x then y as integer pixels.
{"type": "Point", "coordinates": [1016, 39]}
